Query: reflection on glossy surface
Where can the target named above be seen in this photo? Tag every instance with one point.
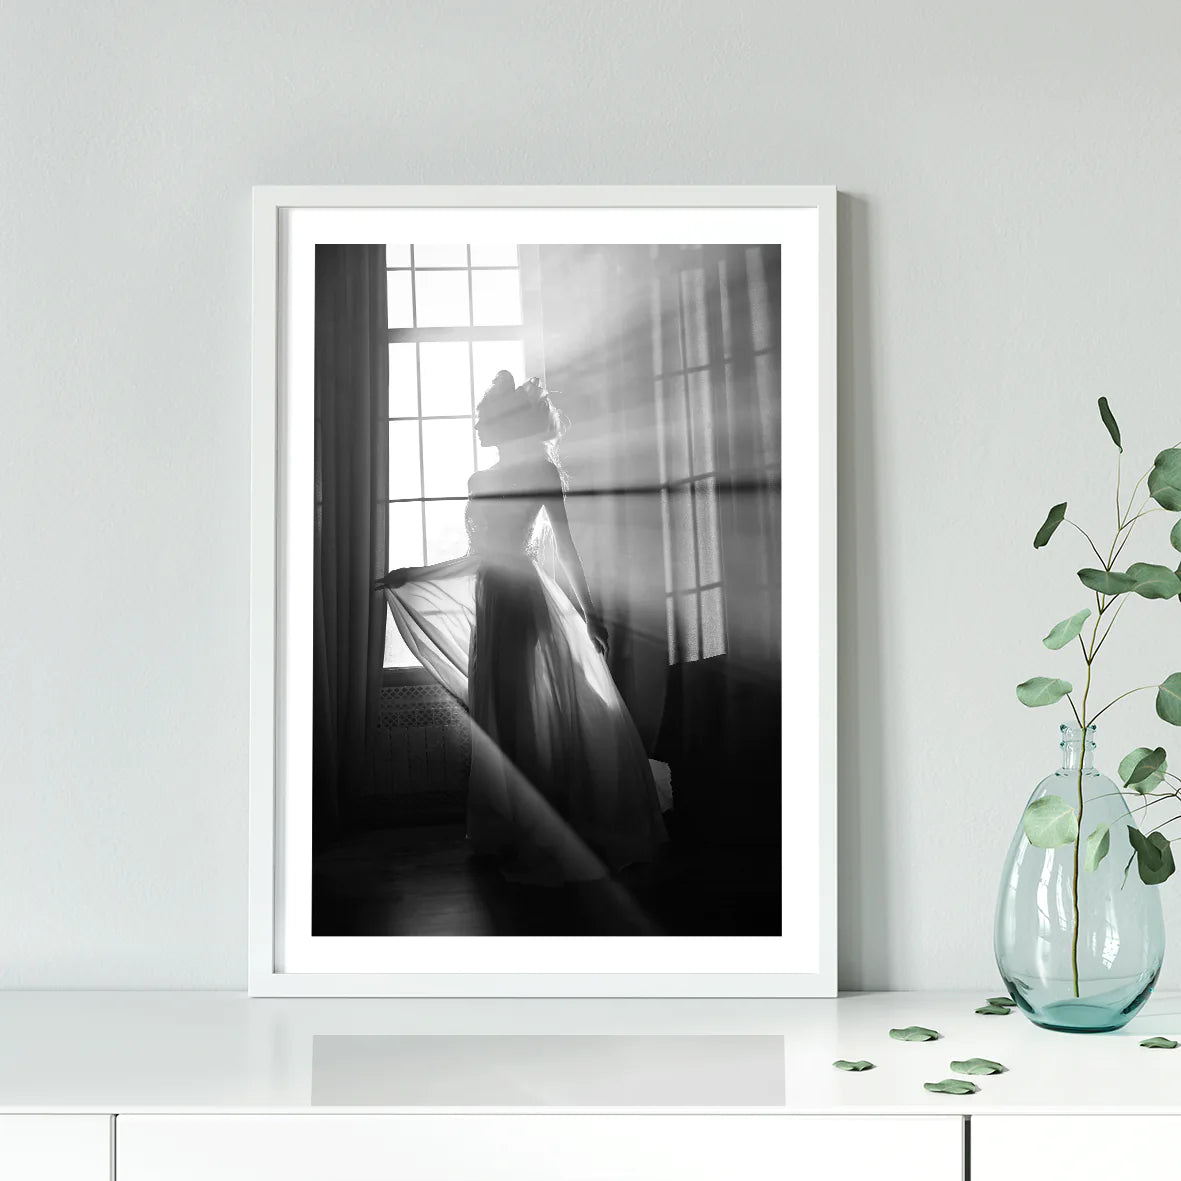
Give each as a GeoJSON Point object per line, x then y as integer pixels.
{"type": "Point", "coordinates": [548, 1070]}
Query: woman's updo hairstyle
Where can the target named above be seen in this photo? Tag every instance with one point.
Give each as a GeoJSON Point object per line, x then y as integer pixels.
{"type": "Point", "coordinates": [510, 413]}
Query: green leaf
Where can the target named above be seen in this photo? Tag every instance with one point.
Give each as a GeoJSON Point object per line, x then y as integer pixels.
{"type": "Point", "coordinates": [952, 1086]}
{"type": "Point", "coordinates": [978, 1066]}
{"type": "Point", "coordinates": [1129, 771]}
{"type": "Point", "coordinates": [995, 1010]}
{"type": "Point", "coordinates": [1154, 856]}
{"type": "Point", "coordinates": [1109, 422]}
{"type": "Point", "coordinates": [859, 1065]}
{"type": "Point", "coordinates": [1098, 843]}
{"type": "Point", "coordinates": [1106, 582]}
{"type": "Point", "coordinates": [1159, 1043]}
{"type": "Point", "coordinates": [1050, 822]}
{"type": "Point", "coordinates": [1054, 518]}
{"type": "Point", "coordinates": [1154, 582]}
{"type": "Point", "coordinates": [1168, 700]}
{"type": "Point", "coordinates": [1062, 633]}
{"type": "Point", "coordinates": [1175, 535]}
{"type": "Point", "coordinates": [1007, 1001]}
{"type": "Point", "coordinates": [1039, 691]}
{"type": "Point", "coordinates": [1152, 764]}
{"type": "Point", "coordinates": [1164, 481]}
{"type": "Point", "coordinates": [914, 1033]}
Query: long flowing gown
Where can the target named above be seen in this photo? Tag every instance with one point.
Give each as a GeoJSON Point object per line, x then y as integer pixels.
{"type": "Point", "coordinates": [561, 789]}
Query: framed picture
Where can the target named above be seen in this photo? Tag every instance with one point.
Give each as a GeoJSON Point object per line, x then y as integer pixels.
{"type": "Point", "coordinates": [543, 675]}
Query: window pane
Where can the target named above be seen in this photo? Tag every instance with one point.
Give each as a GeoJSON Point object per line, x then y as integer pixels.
{"type": "Point", "coordinates": [446, 378]}
{"type": "Point", "coordinates": [447, 452]}
{"type": "Point", "coordinates": [440, 256]}
{"type": "Point", "coordinates": [397, 256]}
{"type": "Point", "coordinates": [446, 533]}
{"type": "Point", "coordinates": [493, 255]}
{"type": "Point", "coordinates": [405, 476]}
{"type": "Point", "coordinates": [686, 607]}
{"type": "Point", "coordinates": [442, 298]}
{"type": "Point", "coordinates": [496, 297]}
{"type": "Point", "coordinates": [400, 311]}
{"type": "Point", "coordinates": [713, 623]}
{"type": "Point", "coordinates": [403, 382]}
{"type": "Point", "coordinates": [681, 554]}
{"type": "Point", "coordinates": [701, 412]}
{"type": "Point", "coordinates": [405, 534]}
{"type": "Point", "coordinates": [489, 357]}
{"type": "Point", "coordinates": [709, 559]}
{"type": "Point", "coordinates": [674, 428]}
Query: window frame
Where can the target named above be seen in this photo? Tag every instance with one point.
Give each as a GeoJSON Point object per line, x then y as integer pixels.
{"type": "Point", "coordinates": [528, 331]}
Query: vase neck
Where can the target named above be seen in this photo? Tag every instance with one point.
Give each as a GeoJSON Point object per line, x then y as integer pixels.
{"type": "Point", "coordinates": [1077, 749]}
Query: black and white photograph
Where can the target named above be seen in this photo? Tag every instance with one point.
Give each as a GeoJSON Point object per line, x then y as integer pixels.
{"type": "Point", "coordinates": [547, 596]}
{"type": "Point", "coordinates": [550, 706]}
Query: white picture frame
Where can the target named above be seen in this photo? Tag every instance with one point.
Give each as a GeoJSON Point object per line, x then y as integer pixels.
{"type": "Point", "coordinates": [280, 427]}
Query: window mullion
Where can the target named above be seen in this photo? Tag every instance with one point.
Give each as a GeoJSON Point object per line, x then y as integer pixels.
{"type": "Point", "coordinates": [471, 360]}
{"type": "Point", "coordinates": [418, 384]}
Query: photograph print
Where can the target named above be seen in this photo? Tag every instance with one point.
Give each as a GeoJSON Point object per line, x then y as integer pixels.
{"type": "Point", "coordinates": [547, 625]}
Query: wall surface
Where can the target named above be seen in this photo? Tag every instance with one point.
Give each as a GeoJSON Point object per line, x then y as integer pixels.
{"type": "Point", "coordinates": [1009, 251]}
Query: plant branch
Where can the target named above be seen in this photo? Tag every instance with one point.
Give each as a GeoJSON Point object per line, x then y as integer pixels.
{"type": "Point", "coordinates": [1119, 607]}
{"type": "Point", "coordinates": [1120, 698]}
{"type": "Point", "coordinates": [1094, 547]}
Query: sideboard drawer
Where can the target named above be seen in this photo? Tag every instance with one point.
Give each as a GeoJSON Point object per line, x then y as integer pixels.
{"type": "Point", "coordinates": [538, 1148]}
{"type": "Point", "coordinates": [55, 1147]}
{"type": "Point", "coordinates": [1034, 1147]}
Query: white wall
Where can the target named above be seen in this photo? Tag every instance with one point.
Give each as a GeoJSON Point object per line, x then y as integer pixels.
{"type": "Point", "coordinates": [1010, 251]}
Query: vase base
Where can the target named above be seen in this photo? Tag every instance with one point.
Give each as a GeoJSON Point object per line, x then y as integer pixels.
{"type": "Point", "coordinates": [1080, 1017]}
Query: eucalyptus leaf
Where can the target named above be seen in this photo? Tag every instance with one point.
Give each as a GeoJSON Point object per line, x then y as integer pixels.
{"type": "Point", "coordinates": [1050, 822]}
{"type": "Point", "coordinates": [1168, 699]}
{"type": "Point", "coordinates": [1007, 1001]}
{"type": "Point", "coordinates": [1098, 844]}
{"type": "Point", "coordinates": [1038, 691]}
{"type": "Point", "coordinates": [859, 1065]}
{"type": "Point", "coordinates": [1175, 535]}
{"type": "Point", "coordinates": [1106, 582]}
{"type": "Point", "coordinates": [1159, 1043]}
{"type": "Point", "coordinates": [978, 1066]}
{"type": "Point", "coordinates": [995, 1010]}
{"type": "Point", "coordinates": [1129, 770]}
{"type": "Point", "coordinates": [1154, 582]}
{"type": "Point", "coordinates": [1154, 856]}
{"type": "Point", "coordinates": [1054, 518]}
{"type": "Point", "coordinates": [914, 1033]}
{"type": "Point", "coordinates": [1063, 632]}
{"type": "Point", "coordinates": [952, 1086]}
{"type": "Point", "coordinates": [1151, 764]}
{"type": "Point", "coordinates": [1109, 422]}
{"type": "Point", "coordinates": [1164, 481]}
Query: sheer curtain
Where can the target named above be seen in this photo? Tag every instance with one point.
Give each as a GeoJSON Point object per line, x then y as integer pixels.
{"type": "Point", "coordinates": [667, 360]}
{"type": "Point", "coordinates": [351, 506]}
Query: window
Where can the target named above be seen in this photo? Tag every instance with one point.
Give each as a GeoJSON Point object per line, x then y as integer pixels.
{"type": "Point", "coordinates": [684, 372]}
{"type": "Point", "coordinates": [457, 315]}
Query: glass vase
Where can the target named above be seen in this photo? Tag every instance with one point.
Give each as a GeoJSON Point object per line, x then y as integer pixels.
{"type": "Point", "coordinates": [1086, 968]}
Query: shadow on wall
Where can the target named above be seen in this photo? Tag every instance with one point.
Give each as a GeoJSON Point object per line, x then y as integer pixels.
{"type": "Point", "coordinates": [865, 905]}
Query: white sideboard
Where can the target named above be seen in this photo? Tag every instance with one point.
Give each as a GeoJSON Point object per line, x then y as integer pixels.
{"type": "Point", "coordinates": [188, 1086]}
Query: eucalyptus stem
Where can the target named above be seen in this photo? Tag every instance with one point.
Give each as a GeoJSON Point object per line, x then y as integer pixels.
{"type": "Point", "coordinates": [1121, 697]}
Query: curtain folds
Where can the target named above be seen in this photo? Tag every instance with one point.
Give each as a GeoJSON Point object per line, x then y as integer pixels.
{"type": "Point", "coordinates": [351, 538]}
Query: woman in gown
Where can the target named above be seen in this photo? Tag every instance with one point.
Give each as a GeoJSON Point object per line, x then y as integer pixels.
{"type": "Point", "coordinates": [560, 789]}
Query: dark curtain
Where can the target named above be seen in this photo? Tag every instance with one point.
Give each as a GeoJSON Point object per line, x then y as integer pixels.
{"type": "Point", "coordinates": [667, 360]}
{"type": "Point", "coordinates": [352, 479]}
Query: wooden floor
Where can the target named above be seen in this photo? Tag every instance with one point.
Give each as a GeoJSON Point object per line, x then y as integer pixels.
{"type": "Point", "coordinates": [424, 881]}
